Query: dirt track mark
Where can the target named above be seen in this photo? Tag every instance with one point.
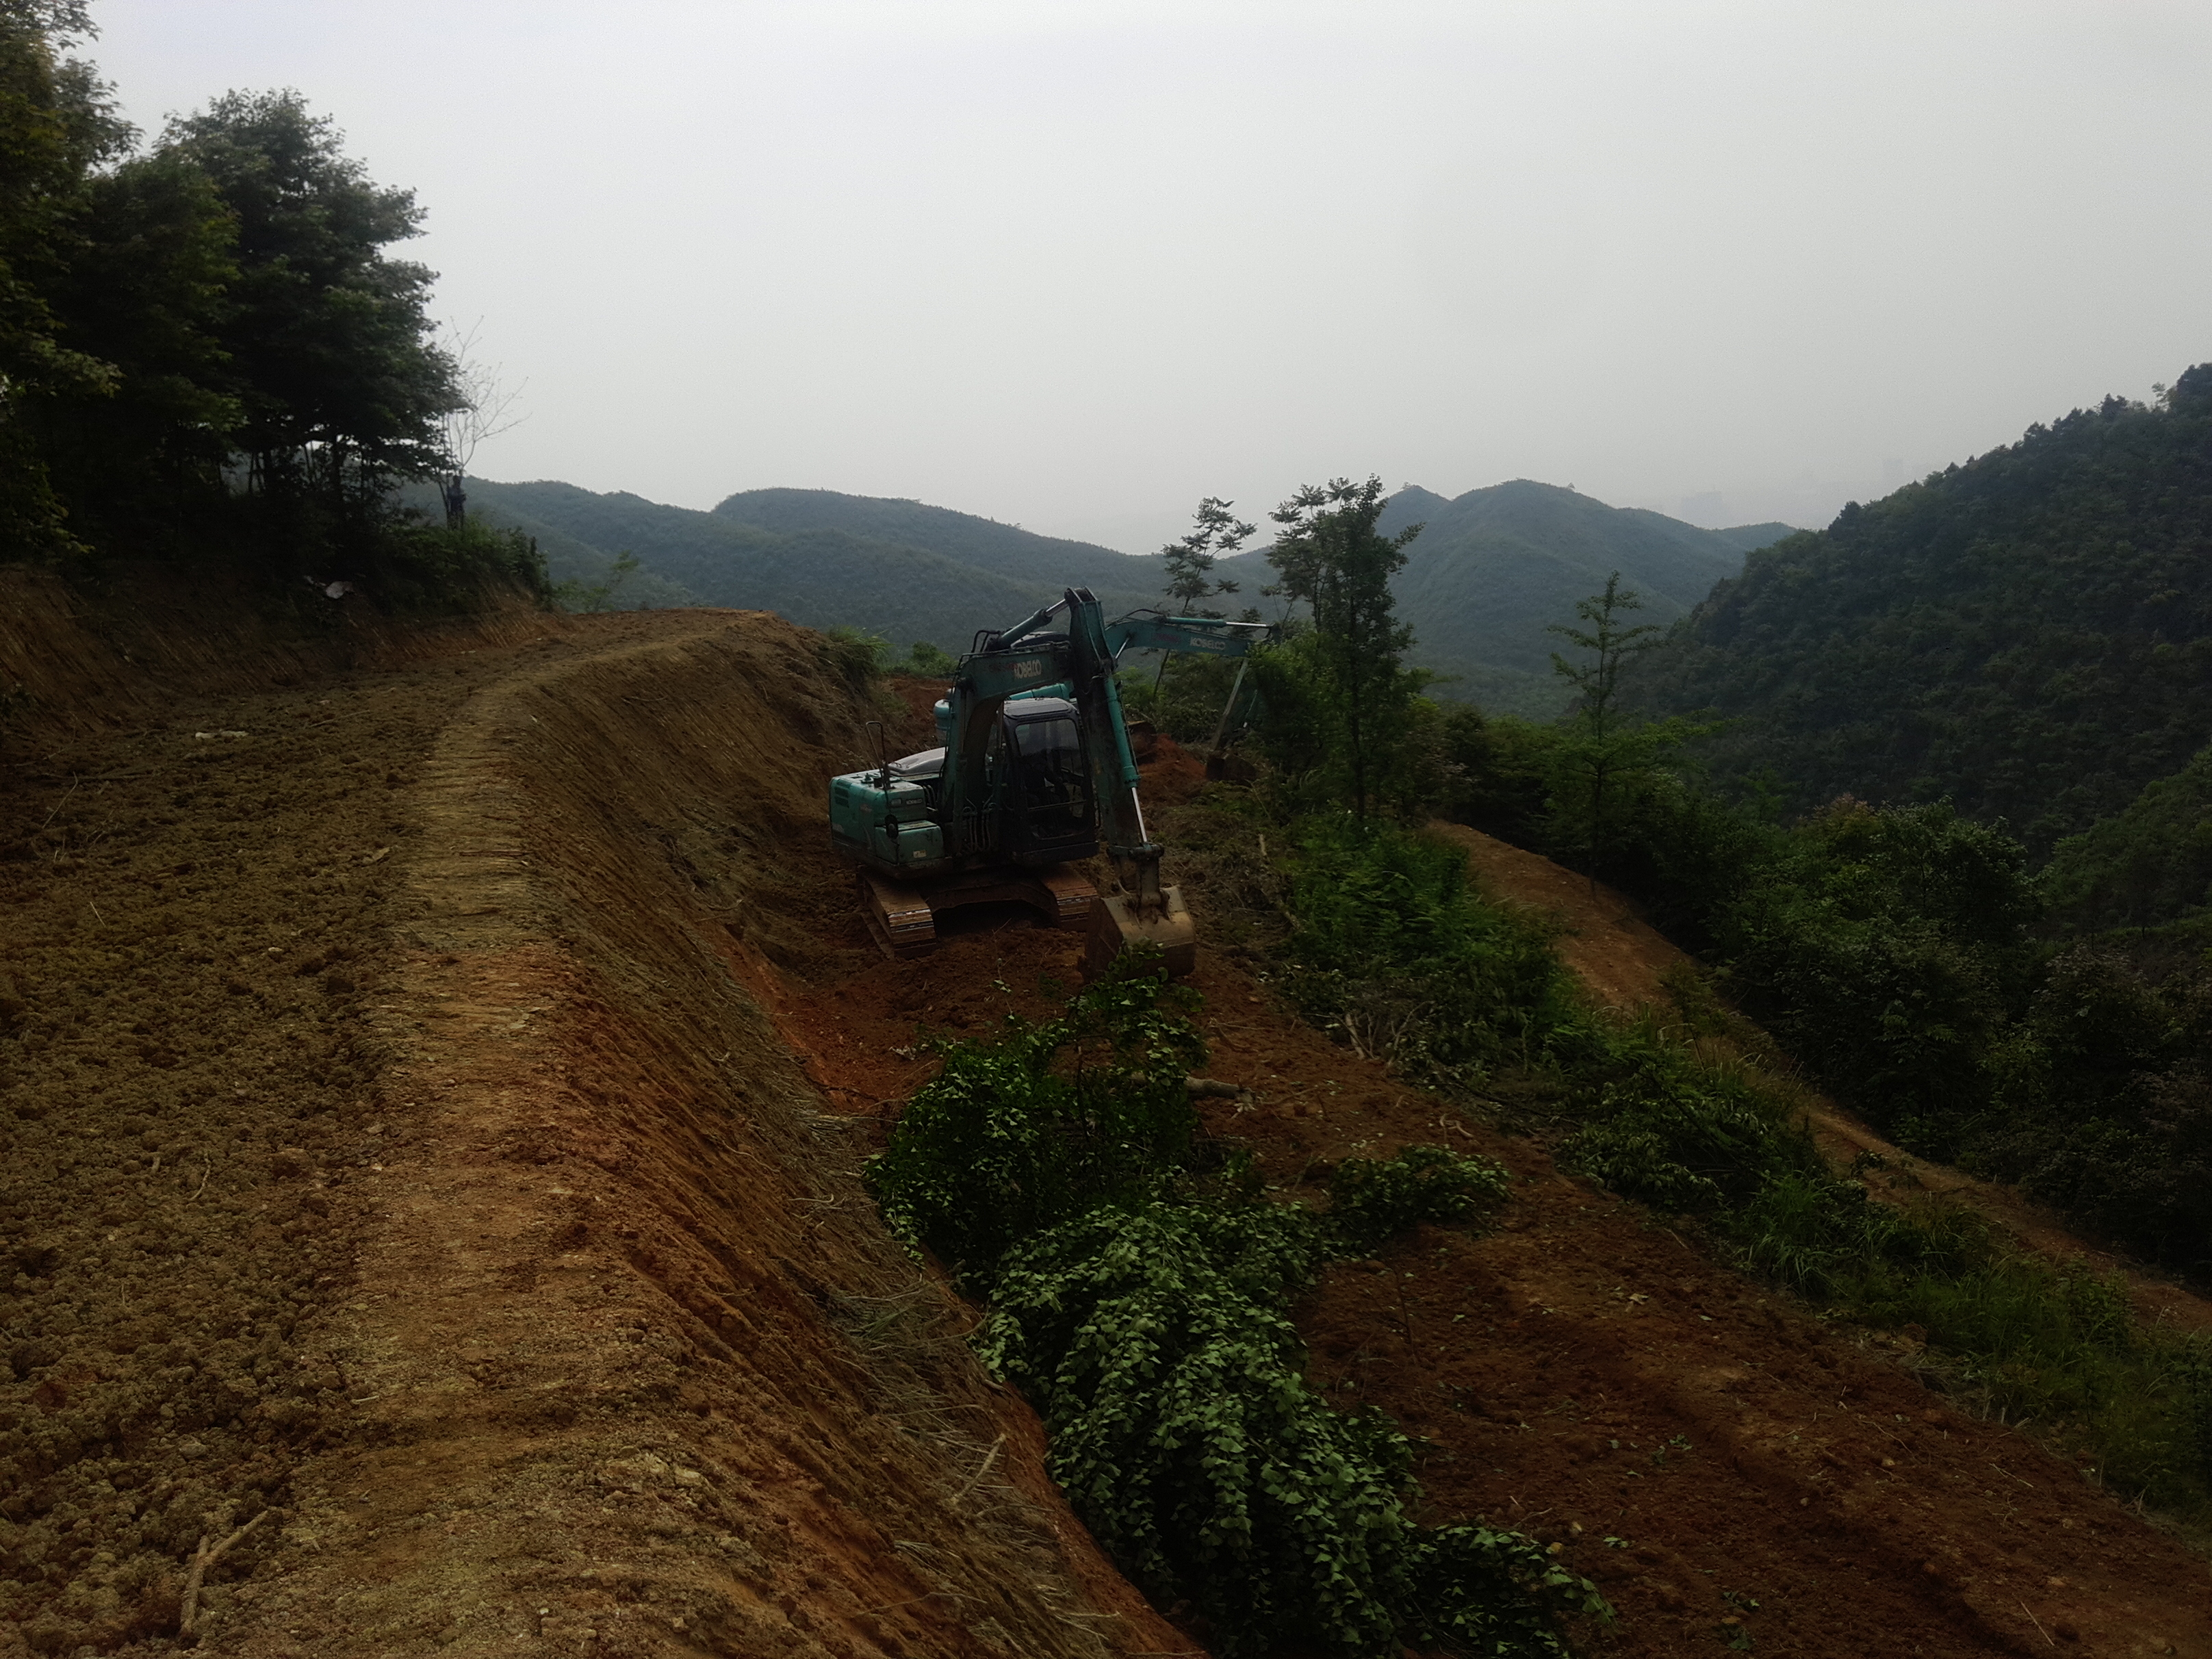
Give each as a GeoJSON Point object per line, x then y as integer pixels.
{"type": "Point", "coordinates": [193, 930]}
{"type": "Point", "coordinates": [639, 1368]}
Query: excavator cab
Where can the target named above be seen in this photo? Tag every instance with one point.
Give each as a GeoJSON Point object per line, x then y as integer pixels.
{"type": "Point", "coordinates": [1047, 815]}
{"type": "Point", "coordinates": [922, 855]}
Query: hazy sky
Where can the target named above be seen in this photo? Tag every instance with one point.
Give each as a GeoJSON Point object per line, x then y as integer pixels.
{"type": "Point", "coordinates": [1074, 265]}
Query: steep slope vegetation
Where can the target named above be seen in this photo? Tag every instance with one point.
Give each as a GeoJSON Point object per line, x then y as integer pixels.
{"type": "Point", "coordinates": [2029, 634]}
{"type": "Point", "coordinates": [821, 566]}
{"type": "Point", "coordinates": [2144, 868]}
{"type": "Point", "coordinates": [1492, 567]}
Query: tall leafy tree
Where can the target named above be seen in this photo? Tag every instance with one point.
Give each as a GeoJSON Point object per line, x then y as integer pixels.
{"type": "Point", "coordinates": [1607, 748]}
{"type": "Point", "coordinates": [147, 293]}
{"type": "Point", "coordinates": [1191, 581]}
{"type": "Point", "coordinates": [1329, 557]}
{"type": "Point", "coordinates": [57, 123]}
{"type": "Point", "coordinates": [340, 379]}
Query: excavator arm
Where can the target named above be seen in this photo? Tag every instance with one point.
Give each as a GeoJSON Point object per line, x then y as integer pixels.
{"type": "Point", "coordinates": [1143, 911]}
{"type": "Point", "coordinates": [1203, 637]}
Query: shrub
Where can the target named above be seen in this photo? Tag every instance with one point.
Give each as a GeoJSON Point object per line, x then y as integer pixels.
{"type": "Point", "coordinates": [1050, 1121]}
{"type": "Point", "coordinates": [1371, 1201]}
{"type": "Point", "coordinates": [1394, 950]}
{"type": "Point", "coordinates": [854, 657]}
{"type": "Point", "coordinates": [1155, 1345]}
{"type": "Point", "coordinates": [1682, 1133]}
{"type": "Point", "coordinates": [1143, 1308]}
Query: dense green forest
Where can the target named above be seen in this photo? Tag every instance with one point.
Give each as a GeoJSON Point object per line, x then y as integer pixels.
{"type": "Point", "coordinates": [2029, 634]}
{"type": "Point", "coordinates": [2148, 867]}
{"type": "Point", "coordinates": [1491, 569]}
{"type": "Point", "coordinates": [206, 350]}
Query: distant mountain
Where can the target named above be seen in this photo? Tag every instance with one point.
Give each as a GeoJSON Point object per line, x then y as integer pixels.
{"type": "Point", "coordinates": [822, 559]}
{"type": "Point", "coordinates": [986, 543]}
{"type": "Point", "coordinates": [2029, 634]}
{"type": "Point", "coordinates": [1492, 569]}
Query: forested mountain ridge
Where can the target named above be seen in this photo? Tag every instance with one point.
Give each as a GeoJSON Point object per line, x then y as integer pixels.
{"type": "Point", "coordinates": [2029, 634]}
{"type": "Point", "coordinates": [1491, 569]}
{"type": "Point", "coordinates": [986, 543]}
{"type": "Point", "coordinates": [817, 576]}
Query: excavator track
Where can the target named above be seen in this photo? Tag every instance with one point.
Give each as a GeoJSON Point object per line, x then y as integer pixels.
{"type": "Point", "coordinates": [903, 916]}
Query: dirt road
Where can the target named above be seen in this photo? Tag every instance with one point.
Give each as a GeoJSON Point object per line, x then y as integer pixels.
{"type": "Point", "coordinates": [431, 1124]}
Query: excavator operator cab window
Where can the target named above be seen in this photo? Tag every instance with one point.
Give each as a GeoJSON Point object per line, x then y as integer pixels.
{"type": "Point", "coordinates": [1052, 784]}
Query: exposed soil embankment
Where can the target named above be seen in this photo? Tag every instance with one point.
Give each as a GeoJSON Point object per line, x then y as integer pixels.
{"type": "Point", "coordinates": [131, 645]}
{"type": "Point", "coordinates": [402, 1160]}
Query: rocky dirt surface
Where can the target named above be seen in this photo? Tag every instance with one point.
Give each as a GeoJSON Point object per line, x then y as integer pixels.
{"type": "Point", "coordinates": [196, 923]}
{"type": "Point", "coordinates": [431, 1124]}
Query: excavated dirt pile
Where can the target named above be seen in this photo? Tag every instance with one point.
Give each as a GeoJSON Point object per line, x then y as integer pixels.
{"type": "Point", "coordinates": [431, 1091]}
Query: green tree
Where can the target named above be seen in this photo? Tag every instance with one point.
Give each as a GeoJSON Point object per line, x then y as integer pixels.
{"type": "Point", "coordinates": [57, 123]}
{"type": "Point", "coordinates": [928, 660]}
{"type": "Point", "coordinates": [1605, 746]}
{"type": "Point", "coordinates": [1191, 580]}
{"type": "Point", "coordinates": [341, 380]}
{"type": "Point", "coordinates": [1329, 556]}
{"type": "Point", "coordinates": [147, 294]}
{"type": "Point", "coordinates": [579, 595]}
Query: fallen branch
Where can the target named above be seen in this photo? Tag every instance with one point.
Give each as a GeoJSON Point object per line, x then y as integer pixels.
{"type": "Point", "coordinates": [204, 1558]}
{"type": "Point", "coordinates": [981, 1469]}
{"type": "Point", "coordinates": [1208, 1088]}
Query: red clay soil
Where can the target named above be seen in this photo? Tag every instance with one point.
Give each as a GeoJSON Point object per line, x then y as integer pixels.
{"type": "Point", "coordinates": [432, 1126]}
{"type": "Point", "coordinates": [403, 1180]}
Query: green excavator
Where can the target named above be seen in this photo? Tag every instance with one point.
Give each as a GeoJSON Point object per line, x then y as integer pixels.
{"type": "Point", "coordinates": [1035, 772]}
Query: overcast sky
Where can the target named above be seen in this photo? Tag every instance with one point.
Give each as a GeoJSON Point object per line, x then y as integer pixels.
{"type": "Point", "coordinates": [1074, 265]}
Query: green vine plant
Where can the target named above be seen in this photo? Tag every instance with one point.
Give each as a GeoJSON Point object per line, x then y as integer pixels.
{"type": "Point", "coordinates": [1139, 1291]}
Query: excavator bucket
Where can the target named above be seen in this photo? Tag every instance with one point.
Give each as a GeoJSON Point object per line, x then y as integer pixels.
{"type": "Point", "coordinates": [1117, 923]}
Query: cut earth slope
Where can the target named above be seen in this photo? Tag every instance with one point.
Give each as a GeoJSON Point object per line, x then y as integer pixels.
{"type": "Point", "coordinates": [475, 1236]}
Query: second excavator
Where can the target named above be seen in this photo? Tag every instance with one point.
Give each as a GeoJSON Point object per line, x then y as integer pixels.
{"type": "Point", "coordinates": [1035, 772]}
